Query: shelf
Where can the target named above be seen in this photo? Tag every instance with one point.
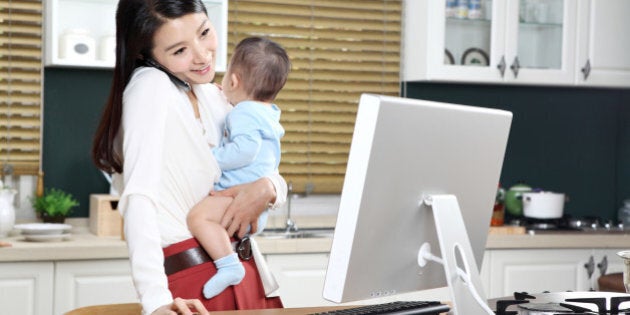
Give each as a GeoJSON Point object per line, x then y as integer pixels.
{"type": "Point", "coordinates": [96, 18]}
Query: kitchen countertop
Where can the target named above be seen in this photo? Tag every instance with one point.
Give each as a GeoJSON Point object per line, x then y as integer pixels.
{"type": "Point", "coordinates": [562, 240]}
{"type": "Point", "coordinates": [84, 245]}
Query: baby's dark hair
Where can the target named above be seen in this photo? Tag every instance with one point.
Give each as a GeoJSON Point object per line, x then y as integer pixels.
{"type": "Point", "coordinates": [262, 66]}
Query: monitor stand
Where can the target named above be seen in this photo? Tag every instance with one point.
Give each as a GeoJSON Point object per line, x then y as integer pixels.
{"type": "Point", "coordinates": [457, 257]}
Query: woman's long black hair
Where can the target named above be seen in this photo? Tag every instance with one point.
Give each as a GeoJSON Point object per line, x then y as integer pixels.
{"type": "Point", "coordinates": [136, 24]}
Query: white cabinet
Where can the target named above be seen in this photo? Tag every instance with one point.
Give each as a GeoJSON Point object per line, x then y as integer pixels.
{"type": "Point", "coordinates": [300, 277]}
{"type": "Point", "coordinates": [538, 270]}
{"type": "Point", "coordinates": [26, 288]}
{"type": "Point", "coordinates": [39, 288]}
{"type": "Point", "coordinates": [518, 41]}
{"type": "Point", "coordinates": [83, 283]}
{"type": "Point", "coordinates": [603, 43]}
{"type": "Point", "coordinates": [79, 33]}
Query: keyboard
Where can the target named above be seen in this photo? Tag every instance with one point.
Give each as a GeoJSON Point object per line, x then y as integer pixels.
{"type": "Point", "coordinates": [393, 308]}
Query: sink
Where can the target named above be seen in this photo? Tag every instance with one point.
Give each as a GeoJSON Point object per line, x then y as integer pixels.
{"type": "Point", "coordinates": [302, 233]}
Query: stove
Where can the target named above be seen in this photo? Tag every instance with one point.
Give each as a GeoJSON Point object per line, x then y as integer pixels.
{"type": "Point", "coordinates": [564, 303]}
{"type": "Point", "coordinates": [568, 224]}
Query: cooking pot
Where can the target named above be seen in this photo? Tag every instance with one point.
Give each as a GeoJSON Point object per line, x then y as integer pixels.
{"type": "Point", "coordinates": [543, 205]}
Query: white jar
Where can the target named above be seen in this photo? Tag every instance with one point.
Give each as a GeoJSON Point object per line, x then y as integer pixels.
{"type": "Point", "coordinates": [77, 44]}
{"type": "Point", "coordinates": [107, 48]}
{"type": "Point", "coordinates": [7, 211]}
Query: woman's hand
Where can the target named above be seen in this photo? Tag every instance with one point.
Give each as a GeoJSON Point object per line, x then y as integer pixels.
{"type": "Point", "coordinates": [250, 200]}
{"type": "Point", "coordinates": [183, 307]}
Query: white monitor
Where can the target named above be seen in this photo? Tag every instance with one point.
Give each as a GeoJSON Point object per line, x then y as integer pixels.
{"type": "Point", "coordinates": [402, 151]}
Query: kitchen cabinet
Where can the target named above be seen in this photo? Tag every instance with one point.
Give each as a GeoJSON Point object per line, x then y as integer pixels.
{"type": "Point", "coordinates": [26, 287]}
{"type": "Point", "coordinates": [603, 44]}
{"type": "Point", "coordinates": [49, 287]}
{"type": "Point", "coordinates": [538, 270]}
{"type": "Point", "coordinates": [83, 283]}
{"type": "Point", "coordinates": [542, 42]}
{"type": "Point", "coordinates": [80, 33]}
{"type": "Point", "coordinates": [301, 279]}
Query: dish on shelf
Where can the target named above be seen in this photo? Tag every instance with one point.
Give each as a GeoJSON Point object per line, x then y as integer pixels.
{"type": "Point", "coordinates": [475, 57]}
{"type": "Point", "coordinates": [448, 58]}
{"type": "Point", "coordinates": [47, 237]}
{"type": "Point", "coordinates": [43, 228]}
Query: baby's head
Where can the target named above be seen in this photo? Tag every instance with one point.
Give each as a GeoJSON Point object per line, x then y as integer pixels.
{"type": "Point", "coordinates": [257, 71]}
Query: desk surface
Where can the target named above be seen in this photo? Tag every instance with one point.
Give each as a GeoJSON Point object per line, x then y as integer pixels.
{"type": "Point", "coordinates": [286, 311]}
{"type": "Point", "coordinates": [283, 311]}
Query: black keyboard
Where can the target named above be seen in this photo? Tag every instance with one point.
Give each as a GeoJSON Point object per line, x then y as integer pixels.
{"type": "Point", "coordinates": [393, 308]}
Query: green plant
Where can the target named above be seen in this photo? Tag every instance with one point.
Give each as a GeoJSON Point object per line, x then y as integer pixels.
{"type": "Point", "coordinates": [54, 202]}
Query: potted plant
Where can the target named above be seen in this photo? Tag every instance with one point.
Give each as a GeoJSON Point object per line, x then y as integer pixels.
{"type": "Point", "coordinates": [54, 205]}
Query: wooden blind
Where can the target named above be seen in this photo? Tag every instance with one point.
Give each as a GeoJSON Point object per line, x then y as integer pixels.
{"type": "Point", "coordinates": [20, 85]}
{"type": "Point", "coordinates": [338, 50]}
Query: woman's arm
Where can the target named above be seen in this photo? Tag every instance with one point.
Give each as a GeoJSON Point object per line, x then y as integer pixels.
{"type": "Point", "coordinates": [145, 253]}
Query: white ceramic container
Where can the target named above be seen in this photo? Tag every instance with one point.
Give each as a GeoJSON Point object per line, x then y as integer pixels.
{"type": "Point", "coordinates": [7, 211]}
{"type": "Point", "coordinates": [543, 205]}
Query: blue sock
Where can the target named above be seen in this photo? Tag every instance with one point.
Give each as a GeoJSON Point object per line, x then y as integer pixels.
{"type": "Point", "coordinates": [230, 271]}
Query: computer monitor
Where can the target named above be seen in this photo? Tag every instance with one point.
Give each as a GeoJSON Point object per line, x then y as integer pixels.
{"type": "Point", "coordinates": [403, 151]}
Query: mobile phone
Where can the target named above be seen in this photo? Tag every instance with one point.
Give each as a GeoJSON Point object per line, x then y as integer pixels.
{"type": "Point", "coordinates": [179, 82]}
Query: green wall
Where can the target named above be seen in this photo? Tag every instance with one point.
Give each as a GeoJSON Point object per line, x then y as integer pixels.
{"type": "Point", "coordinates": [572, 140]}
{"type": "Point", "coordinates": [73, 101]}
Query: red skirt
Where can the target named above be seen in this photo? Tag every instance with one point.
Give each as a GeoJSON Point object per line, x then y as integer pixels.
{"type": "Point", "coordinates": [188, 284]}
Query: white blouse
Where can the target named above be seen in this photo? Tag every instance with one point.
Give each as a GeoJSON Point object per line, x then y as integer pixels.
{"type": "Point", "coordinates": [168, 168]}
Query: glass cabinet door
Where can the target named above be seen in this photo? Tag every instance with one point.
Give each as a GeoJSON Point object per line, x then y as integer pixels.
{"type": "Point", "coordinates": [468, 33]}
{"type": "Point", "coordinates": [540, 34]}
{"type": "Point", "coordinates": [540, 41]}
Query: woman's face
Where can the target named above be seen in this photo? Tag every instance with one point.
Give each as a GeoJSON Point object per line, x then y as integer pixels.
{"type": "Point", "coordinates": [187, 46]}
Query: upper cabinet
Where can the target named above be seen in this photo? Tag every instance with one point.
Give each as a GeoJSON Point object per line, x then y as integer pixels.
{"type": "Point", "coordinates": [81, 33]}
{"type": "Point", "coordinates": [603, 44]}
{"type": "Point", "coordinates": [516, 41]}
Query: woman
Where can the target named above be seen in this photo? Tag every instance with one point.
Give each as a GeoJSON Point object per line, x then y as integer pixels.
{"type": "Point", "coordinates": [161, 120]}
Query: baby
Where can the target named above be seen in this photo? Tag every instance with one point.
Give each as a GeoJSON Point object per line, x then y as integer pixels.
{"type": "Point", "coordinates": [249, 149]}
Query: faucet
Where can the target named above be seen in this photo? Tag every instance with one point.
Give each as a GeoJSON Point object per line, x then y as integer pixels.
{"type": "Point", "coordinates": [290, 225]}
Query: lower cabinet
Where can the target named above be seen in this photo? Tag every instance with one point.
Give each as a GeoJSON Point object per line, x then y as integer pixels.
{"type": "Point", "coordinates": [301, 278]}
{"type": "Point", "coordinates": [539, 270]}
{"type": "Point", "coordinates": [26, 288]}
{"type": "Point", "coordinates": [83, 283]}
{"type": "Point", "coordinates": [503, 272]}
{"type": "Point", "coordinates": [39, 288]}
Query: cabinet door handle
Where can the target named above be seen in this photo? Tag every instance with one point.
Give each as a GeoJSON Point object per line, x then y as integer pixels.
{"type": "Point", "coordinates": [586, 70]}
{"type": "Point", "coordinates": [501, 66]}
{"type": "Point", "coordinates": [590, 267]}
{"type": "Point", "coordinates": [603, 266]}
{"type": "Point", "coordinates": [515, 67]}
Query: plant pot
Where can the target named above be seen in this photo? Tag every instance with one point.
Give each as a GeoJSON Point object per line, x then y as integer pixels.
{"type": "Point", "coordinates": [53, 219]}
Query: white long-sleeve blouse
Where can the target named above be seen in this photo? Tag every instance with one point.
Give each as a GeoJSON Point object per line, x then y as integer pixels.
{"type": "Point", "coordinates": [168, 168]}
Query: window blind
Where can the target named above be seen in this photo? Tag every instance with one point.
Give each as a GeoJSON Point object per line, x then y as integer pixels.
{"type": "Point", "coordinates": [338, 50]}
{"type": "Point", "coordinates": [20, 85]}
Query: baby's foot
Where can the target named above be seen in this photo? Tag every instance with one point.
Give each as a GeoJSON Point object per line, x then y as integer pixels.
{"type": "Point", "coordinates": [230, 271]}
